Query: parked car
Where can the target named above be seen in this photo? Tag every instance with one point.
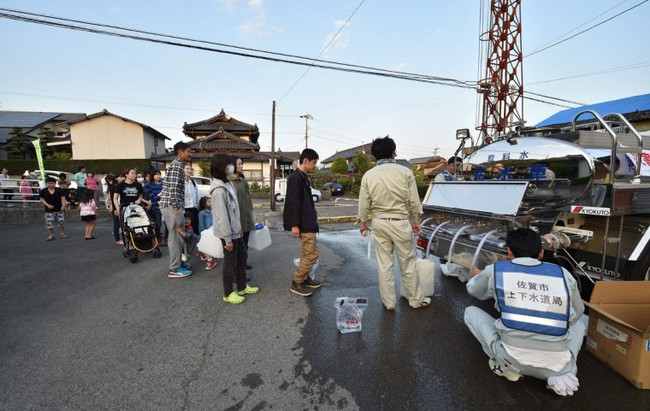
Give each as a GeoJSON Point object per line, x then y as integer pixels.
{"type": "Point", "coordinates": [54, 174]}
{"type": "Point", "coordinates": [203, 185]}
{"type": "Point", "coordinates": [336, 188]}
{"type": "Point", "coordinates": [281, 191]}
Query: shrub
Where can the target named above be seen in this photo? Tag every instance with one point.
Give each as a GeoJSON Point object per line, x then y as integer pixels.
{"type": "Point", "coordinates": [339, 166]}
{"type": "Point", "coordinates": [204, 165]}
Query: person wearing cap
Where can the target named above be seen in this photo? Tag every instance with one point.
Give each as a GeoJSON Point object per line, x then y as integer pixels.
{"type": "Point", "coordinates": [449, 174]}
{"type": "Point", "coordinates": [539, 330]}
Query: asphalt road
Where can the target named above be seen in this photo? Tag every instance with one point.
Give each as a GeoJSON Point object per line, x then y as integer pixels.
{"type": "Point", "coordinates": [82, 328]}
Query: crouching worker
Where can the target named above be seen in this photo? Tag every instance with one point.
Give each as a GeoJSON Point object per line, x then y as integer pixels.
{"type": "Point", "coordinates": [539, 332]}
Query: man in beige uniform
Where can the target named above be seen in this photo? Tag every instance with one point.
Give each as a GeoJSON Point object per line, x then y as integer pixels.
{"type": "Point", "coordinates": [389, 193]}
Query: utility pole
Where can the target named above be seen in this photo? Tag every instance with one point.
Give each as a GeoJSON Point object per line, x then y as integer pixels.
{"type": "Point", "coordinates": [273, 158]}
{"type": "Point", "coordinates": [307, 117]}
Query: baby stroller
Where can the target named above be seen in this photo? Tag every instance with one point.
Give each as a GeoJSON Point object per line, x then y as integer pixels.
{"type": "Point", "coordinates": [138, 233]}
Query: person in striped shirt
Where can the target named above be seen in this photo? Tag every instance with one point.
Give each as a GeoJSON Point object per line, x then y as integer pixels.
{"type": "Point", "coordinates": [172, 208]}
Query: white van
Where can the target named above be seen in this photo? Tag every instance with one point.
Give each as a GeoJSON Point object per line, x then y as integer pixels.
{"type": "Point", "coordinates": [281, 191]}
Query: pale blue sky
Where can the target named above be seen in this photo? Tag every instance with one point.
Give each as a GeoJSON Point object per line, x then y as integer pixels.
{"type": "Point", "coordinates": [50, 69]}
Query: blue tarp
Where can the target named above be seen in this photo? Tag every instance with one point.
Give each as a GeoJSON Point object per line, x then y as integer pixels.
{"type": "Point", "coordinates": [622, 106]}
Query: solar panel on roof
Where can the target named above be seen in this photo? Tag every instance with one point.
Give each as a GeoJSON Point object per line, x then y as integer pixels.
{"type": "Point", "coordinates": [24, 119]}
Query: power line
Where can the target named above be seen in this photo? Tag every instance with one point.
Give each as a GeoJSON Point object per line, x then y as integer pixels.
{"type": "Point", "coordinates": [582, 25]}
{"type": "Point", "coordinates": [127, 103]}
{"type": "Point", "coordinates": [595, 73]}
{"type": "Point", "coordinates": [546, 102]}
{"type": "Point", "coordinates": [308, 62]}
{"type": "Point", "coordinates": [321, 53]}
{"type": "Point", "coordinates": [555, 98]}
{"type": "Point", "coordinates": [586, 30]}
{"type": "Point", "coordinates": [335, 66]}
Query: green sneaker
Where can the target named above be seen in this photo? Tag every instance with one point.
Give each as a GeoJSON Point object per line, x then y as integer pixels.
{"type": "Point", "coordinates": [234, 298]}
{"type": "Point", "coordinates": [249, 290]}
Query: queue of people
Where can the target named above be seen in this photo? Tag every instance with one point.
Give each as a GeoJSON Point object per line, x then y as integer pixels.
{"type": "Point", "coordinates": [538, 337]}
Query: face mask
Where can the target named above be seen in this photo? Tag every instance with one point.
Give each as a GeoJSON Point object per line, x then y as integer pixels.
{"type": "Point", "coordinates": [140, 179]}
{"type": "Point", "coordinates": [230, 169]}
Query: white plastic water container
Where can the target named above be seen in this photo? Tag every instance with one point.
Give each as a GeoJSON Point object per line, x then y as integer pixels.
{"type": "Point", "coordinates": [209, 244]}
{"type": "Point", "coordinates": [259, 239]}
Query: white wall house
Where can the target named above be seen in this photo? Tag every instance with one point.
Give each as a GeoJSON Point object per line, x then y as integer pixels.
{"type": "Point", "coordinates": [105, 135]}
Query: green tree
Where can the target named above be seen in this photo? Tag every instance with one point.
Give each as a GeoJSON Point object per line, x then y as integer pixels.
{"type": "Point", "coordinates": [362, 162]}
{"type": "Point", "coordinates": [18, 146]}
{"type": "Point", "coordinates": [204, 165]}
{"type": "Point", "coordinates": [340, 166]}
{"type": "Point", "coordinates": [420, 178]}
{"type": "Point", "coordinates": [421, 181]}
{"type": "Point", "coordinates": [46, 135]}
{"type": "Point", "coordinates": [59, 155]}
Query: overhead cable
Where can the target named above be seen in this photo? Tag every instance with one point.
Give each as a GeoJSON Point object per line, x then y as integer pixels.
{"type": "Point", "coordinates": [308, 60]}
{"type": "Point", "coordinates": [595, 73]}
{"type": "Point", "coordinates": [586, 30]}
{"type": "Point", "coordinates": [578, 27]}
{"type": "Point", "coordinates": [555, 98]}
{"type": "Point", "coordinates": [321, 53]}
{"type": "Point", "coordinates": [322, 63]}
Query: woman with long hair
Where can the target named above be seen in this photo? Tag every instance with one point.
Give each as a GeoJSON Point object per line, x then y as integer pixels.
{"type": "Point", "coordinates": [227, 227]}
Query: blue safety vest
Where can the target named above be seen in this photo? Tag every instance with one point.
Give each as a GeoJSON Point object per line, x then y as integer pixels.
{"type": "Point", "coordinates": [533, 298]}
{"type": "Point", "coordinates": [447, 176]}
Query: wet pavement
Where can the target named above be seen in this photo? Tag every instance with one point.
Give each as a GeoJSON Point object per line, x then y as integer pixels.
{"type": "Point", "coordinates": [84, 329]}
{"type": "Point", "coordinates": [427, 358]}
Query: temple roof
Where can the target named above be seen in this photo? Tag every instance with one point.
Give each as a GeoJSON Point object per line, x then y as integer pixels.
{"type": "Point", "coordinates": [223, 141]}
{"type": "Point", "coordinates": [221, 121]}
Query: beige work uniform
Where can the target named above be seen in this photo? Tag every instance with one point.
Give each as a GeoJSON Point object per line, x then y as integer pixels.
{"type": "Point", "coordinates": [389, 192]}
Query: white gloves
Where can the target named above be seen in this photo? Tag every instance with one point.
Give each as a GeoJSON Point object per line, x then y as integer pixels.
{"type": "Point", "coordinates": [563, 385]}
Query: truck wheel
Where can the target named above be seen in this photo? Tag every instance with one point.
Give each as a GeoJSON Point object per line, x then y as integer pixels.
{"type": "Point", "coordinates": [315, 198]}
{"type": "Point", "coordinates": [278, 198]}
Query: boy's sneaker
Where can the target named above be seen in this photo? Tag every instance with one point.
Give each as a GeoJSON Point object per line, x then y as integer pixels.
{"type": "Point", "coordinates": [234, 298]}
{"type": "Point", "coordinates": [249, 290]}
{"type": "Point", "coordinates": [210, 265]}
{"type": "Point", "coordinates": [186, 266]}
{"type": "Point", "coordinates": [507, 374]}
{"type": "Point", "coordinates": [179, 273]}
{"type": "Point", "coordinates": [300, 289]}
{"type": "Point", "coordinates": [311, 283]}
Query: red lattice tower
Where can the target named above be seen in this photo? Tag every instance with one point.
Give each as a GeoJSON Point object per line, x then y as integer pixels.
{"type": "Point", "coordinates": [502, 87]}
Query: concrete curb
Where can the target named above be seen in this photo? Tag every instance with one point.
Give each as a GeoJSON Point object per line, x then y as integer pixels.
{"type": "Point", "coordinates": [337, 219]}
{"type": "Point", "coordinates": [19, 215]}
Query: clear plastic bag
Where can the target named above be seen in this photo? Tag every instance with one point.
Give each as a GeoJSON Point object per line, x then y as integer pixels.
{"type": "Point", "coordinates": [349, 312]}
{"type": "Point", "coordinates": [312, 272]}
